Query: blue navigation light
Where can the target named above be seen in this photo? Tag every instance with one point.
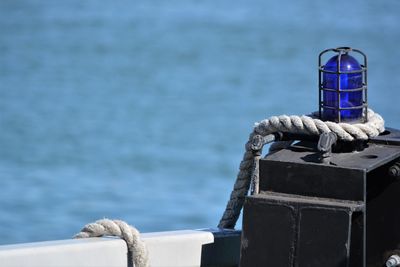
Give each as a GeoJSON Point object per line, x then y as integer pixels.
{"type": "Point", "coordinates": [343, 87]}
{"type": "Point", "coordinates": [348, 98]}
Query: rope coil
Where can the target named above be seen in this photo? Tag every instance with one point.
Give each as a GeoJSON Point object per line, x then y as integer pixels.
{"type": "Point", "coordinates": [262, 134]}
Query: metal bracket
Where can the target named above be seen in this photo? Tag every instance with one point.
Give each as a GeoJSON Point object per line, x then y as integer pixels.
{"type": "Point", "coordinates": [325, 143]}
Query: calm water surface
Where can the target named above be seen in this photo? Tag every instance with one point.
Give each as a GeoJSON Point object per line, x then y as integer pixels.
{"type": "Point", "coordinates": [139, 110]}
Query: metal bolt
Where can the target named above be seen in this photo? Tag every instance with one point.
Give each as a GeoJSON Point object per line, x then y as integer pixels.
{"type": "Point", "coordinates": [394, 170]}
{"type": "Point", "coordinates": [393, 261]}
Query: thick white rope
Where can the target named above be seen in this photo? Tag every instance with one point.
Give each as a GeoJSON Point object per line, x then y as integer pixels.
{"type": "Point", "coordinates": [308, 125]}
{"type": "Point", "coordinates": [106, 227]}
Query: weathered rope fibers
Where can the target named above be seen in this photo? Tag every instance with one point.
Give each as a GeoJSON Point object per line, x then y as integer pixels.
{"type": "Point", "coordinates": [309, 125]}
{"type": "Point", "coordinates": [105, 227]}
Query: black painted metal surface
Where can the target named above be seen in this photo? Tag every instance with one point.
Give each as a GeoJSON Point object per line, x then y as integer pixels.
{"type": "Point", "coordinates": [224, 251]}
{"type": "Point", "coordinates": [288, 222]}
{"type": "Point", "coordinates": [342, 212]}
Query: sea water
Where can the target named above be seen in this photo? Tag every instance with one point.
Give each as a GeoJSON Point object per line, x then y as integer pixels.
{"type": "Point", "coordinates": [139, 110]}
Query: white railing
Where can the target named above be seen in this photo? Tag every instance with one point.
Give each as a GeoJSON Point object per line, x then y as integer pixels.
{"type": "Point", "coordinates": [166, 249]}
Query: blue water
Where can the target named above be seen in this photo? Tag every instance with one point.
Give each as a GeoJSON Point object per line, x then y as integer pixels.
{"type": "Point", "coordinates": [139, 110]}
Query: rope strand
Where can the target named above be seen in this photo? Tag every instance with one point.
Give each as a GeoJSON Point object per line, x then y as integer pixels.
{"type": "Point", "coordinates": [308, 125]}
{"type": "Point", "coordinates": [105, 227]}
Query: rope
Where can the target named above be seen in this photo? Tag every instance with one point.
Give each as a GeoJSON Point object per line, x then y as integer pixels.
{"type": "Point", "coordinates": [106, 227]}
{"type": "Point", "coordinates": [262, 134]}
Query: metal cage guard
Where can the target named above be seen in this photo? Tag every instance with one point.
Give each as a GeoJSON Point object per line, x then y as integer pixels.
{"type": "Point", "coordinates": [338, 108]}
